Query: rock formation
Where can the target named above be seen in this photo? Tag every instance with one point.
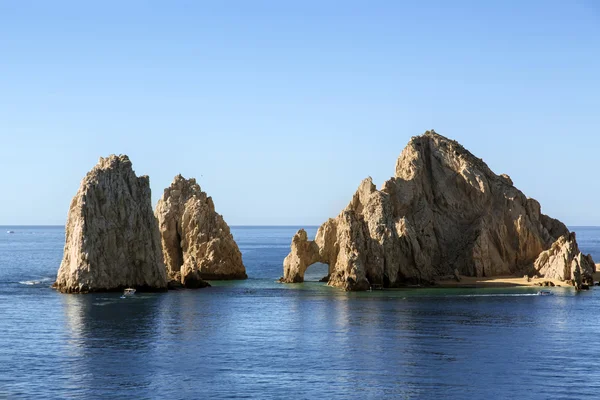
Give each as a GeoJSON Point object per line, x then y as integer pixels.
{"type": "Point", "coordinates": [564, 261]}
{"type": "Point", "coordinates": [196, 241]}
{"type": "Point", "coordinates": [443, 213]}
{"type": "Point", "coordinates": [112, 238]}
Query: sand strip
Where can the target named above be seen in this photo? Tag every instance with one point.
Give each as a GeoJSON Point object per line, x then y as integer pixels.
{"type": "Point", "coordinates": [496, 281]}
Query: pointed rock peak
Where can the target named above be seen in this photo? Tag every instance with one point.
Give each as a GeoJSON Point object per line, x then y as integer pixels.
{"type": "Point", "coordinates": [197, 243]}
{"type": "Point", "coordinates": [430, 135]}
{"type": "Point", "coordinates": [434, 140]}
{"type": "Point", "coordinates": [433, 133]}
{"type": "Point", "coordinates": [431, 146]}
{"type": "Point", "coordinates": [367, 185]}
{"type": "Point", "coordinates": [301, 235]}
{"type": "Point", "coordinates": [113, 161]}
{"type": "Point", "coordinates": [180, 179]}
{"type": "Point", "coordinates": [182, 187]}
{"type": "Point", "coordinates": [362, 194]}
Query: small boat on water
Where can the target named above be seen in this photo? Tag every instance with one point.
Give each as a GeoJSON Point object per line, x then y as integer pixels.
{"type": "Point", "coordinates": [10, 231]}
{"type": "Point", "coordinates": [128, 293]}
{"type": "Point", "coordinates": [545, 293]}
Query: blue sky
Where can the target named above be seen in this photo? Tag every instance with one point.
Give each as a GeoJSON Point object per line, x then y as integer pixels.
{"type": "Point", "coordinates": [280, 109]}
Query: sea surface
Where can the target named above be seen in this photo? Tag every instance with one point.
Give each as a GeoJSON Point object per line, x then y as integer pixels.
{"type": "Point", "coordinates": [260, 339]}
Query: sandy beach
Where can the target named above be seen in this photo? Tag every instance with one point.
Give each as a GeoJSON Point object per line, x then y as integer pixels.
{"type": "Point", "coordinates": [497, 281]}
{"type": "Point", "coordinates": [502, 281]}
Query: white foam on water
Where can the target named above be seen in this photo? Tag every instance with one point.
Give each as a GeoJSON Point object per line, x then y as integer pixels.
{"type": "Point", "coordinates": [36, 281]}
{"type": "Point", "coordinates": [495, 295]}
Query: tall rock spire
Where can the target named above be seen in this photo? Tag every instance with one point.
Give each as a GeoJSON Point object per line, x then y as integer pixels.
{"type": "Point", "coordinates": [112, 238]}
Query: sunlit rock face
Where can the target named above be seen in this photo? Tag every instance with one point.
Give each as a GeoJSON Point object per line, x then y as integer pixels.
{"type": "Point", "coordinates": [444, 210]}
{"type": "Point", "coordinates": [112, 239]}
{"type": "Point", "coordinates": [564, 261]}
{"type": "Point", "coordinates": [196, 241]}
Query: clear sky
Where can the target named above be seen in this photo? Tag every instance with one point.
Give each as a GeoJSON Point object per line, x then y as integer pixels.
{"type": "Point", "coordinates": [281, 108]}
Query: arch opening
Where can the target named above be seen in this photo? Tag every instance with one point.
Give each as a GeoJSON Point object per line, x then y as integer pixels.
{"type": "Point", "coordinates": [317, 272]}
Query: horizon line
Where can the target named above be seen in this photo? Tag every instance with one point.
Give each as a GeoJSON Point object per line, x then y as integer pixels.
{"type": "Point", "coordinates": [232, 225]}
{"type": "Point", "coordinates": [246, 225]}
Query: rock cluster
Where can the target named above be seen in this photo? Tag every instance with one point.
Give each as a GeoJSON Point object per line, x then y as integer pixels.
{"type": "Point", "coordinates": [564, 261]}
{"type": "Point", "coordinates": [112, 239]}
{"type": "Point", "coordinates": [196, 241]}
{"type": "Point", "coordinates": [443, 213]}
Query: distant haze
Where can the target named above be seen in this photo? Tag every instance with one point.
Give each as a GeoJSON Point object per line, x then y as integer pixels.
{"type": "Point", "coordinates": [281, 110]}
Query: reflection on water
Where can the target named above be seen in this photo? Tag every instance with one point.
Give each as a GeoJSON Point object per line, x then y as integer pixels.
{"type": "Point", "coordinates": [316, 342]}
{"type": "Point", "coordinates": [108, 336]}
{"type": "Point", "coordinates": [260, 339]}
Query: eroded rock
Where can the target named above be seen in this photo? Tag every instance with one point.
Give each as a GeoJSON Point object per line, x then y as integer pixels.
{"type": "Point", "coordinates": [564, 261]}
{"type": "Point", "coordinates": [112, 240]}
{"type": "Point", "coordinates": [443, 213]}
{"type": "Point", "coordinates": [196, 241]}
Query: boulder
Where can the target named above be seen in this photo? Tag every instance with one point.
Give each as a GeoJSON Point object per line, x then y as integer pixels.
{"type": "Point", "coordinates": [443, 213]}
{"type": "Point", "coordinates": [196, 242]}
{"type": "Point", "coordinates": [112, 240]}
{"type": "Point", "coordinates": [546, 283]}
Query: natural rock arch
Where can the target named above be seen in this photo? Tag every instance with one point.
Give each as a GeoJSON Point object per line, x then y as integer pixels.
{"type": "Point", "coordinates": [305, 253]}
{"type": "Point", "coordinates": [443, 211]}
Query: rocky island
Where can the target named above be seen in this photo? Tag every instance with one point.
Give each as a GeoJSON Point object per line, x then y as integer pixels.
{"type": "Point", "coordinates": [444, 213]}
{"type": "Point", "coordinates": [196, 240]}
{"type": "Point", "coordinates": [112, 239]}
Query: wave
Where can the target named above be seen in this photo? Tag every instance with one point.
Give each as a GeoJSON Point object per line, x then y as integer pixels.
{"type": "Point", "coordinates": [494, 295]}
{"type": "Point", "coordinates": [36, 281]}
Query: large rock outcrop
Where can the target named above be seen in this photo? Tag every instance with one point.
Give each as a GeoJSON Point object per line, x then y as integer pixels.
{"type": "Point", "coordinates": [196, 241]}
{"type": "Point", "coordinates": [444, 210]}
{"type": "Point", "coordinates": [112, 238]}
{"type": "Point", "coordinates": [564, 261]}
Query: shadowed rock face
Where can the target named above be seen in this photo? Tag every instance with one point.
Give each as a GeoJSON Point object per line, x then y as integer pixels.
{"type": "Point", "coordinates": [196, 241]}
{"type": "Point", "coordinates": [112, 238]}
{"type": "Point", "coordinates": [443, 210]}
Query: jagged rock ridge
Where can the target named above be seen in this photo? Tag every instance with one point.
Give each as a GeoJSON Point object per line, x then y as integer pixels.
{"type": "Point", "coordinates": [444, 210]}
{"type": "Point", "coordinates": [196, 241]}
{"type": "Point", "coordinates": [112, 238]}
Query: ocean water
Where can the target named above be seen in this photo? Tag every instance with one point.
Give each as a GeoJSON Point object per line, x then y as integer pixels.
{"type": "Point", "coordinates": [260, 339]}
